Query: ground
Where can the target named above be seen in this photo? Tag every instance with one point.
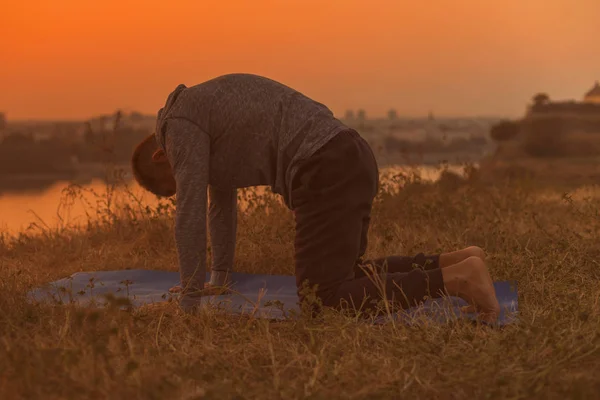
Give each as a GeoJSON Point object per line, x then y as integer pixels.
{"type": "Point", "coordinates": [544, 238]}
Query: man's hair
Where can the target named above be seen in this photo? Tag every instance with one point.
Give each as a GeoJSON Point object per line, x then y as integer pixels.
{"type": "Point", "coordinates": [146, 171]}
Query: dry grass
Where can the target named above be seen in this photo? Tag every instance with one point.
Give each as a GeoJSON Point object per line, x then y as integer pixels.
{"type": "Point", "coordinates": [550, 246]}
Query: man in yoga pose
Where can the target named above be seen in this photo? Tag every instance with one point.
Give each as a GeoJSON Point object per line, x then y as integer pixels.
{"type": "Point", "coordinates": [244, 130]}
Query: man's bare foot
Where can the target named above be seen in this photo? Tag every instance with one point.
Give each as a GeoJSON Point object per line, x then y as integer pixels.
{"type": "Point", "coordinates": [448, 259]}
{"type": "Point", "coordinates": [471, 281]}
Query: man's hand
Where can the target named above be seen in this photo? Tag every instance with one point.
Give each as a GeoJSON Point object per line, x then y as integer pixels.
{"type": "Point", "coordinates": [209, 290]}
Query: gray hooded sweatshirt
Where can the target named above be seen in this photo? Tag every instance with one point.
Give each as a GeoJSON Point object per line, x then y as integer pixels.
{"type": "Point", "coordinates": [231, 132]}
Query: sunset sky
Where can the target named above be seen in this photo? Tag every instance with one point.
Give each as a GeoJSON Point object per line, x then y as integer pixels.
{"type": "Point", "coordinates": [71, 59]}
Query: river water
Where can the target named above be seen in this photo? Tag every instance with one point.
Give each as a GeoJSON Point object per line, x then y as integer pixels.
{"type": "Point", "coordinates": [54, 206]}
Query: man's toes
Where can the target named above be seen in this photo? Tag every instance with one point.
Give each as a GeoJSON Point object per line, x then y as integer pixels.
{"type": "Point", "coordinates": [491, 317]}
{"type": "Point", "coordinates": [175, 289]}
{"type": "Point", "coordinates": [477, 269]}
{"type": "Point", "coordinates": [476, 251]}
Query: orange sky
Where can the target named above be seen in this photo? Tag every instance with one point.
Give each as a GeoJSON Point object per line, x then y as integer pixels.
{"type": "Point", "coordinates": [76, 58]}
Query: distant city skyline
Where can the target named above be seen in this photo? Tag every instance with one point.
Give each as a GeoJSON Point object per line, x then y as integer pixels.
{"type": "Point", "coordinates": [71, 60]}
{"type": "Point", "coordinates": [338, 114]}
{"type": "Point", "coordinates": [593, 91]}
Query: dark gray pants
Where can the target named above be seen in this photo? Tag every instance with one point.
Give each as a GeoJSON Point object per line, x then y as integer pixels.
{"type": "Point", "coordinates": [332, 196]}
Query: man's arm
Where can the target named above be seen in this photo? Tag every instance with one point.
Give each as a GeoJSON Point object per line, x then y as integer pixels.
{"type": "Point", "coordinates": [222, 222]}
{"type": "Point", "coordinates": [188, 150]}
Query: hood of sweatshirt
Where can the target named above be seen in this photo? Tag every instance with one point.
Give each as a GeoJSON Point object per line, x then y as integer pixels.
{"type": "Point", "coordinates": [164, 113]}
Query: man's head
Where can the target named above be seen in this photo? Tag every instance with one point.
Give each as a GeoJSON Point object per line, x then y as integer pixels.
{"type": "Point", "coordinates": [151, 168]}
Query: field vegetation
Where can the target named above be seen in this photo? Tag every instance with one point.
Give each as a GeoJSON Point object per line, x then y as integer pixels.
{"type": "Point", "coordinates": [541, 236]}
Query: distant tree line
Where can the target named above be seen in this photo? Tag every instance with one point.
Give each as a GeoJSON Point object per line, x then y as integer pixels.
{"type": "Point", "coordinates": [550, 135]}
{"type": "Point", "coordinates": [21, 153]}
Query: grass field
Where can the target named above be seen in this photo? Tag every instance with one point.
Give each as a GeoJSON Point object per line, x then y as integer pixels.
{"type": "Point", "coordinates": [545, 240]}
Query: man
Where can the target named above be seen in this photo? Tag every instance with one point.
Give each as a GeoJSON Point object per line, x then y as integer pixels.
{"type": "Point", "coordinates": [244, 130]}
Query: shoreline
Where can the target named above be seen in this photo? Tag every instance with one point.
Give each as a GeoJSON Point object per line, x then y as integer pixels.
{"type": "Point", "coordinates": [15, 184]}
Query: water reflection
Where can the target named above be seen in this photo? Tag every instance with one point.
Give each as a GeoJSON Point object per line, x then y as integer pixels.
{"type": "Point", "coordinates": [54, 206]}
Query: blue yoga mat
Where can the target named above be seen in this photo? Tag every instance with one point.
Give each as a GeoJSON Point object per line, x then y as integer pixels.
{"type": "Point", "coordinates": [265, 296]}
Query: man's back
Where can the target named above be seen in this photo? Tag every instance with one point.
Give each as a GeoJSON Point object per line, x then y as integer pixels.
{"type": "Point", "coordinates": [259, 129]}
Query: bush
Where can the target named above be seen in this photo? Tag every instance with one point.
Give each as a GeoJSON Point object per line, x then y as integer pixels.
{"type": "Point", "coordinates": [545, 137]}
{"type": "Point", "coordinates": [504, 130]}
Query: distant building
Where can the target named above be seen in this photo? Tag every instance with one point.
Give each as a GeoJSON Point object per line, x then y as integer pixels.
{"type": "Point", "coordinates": [590, 106]}
{"type": "Point", "coordinates": [566, 107]}
{"type": "Point", "coordinates": [593, 96]}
